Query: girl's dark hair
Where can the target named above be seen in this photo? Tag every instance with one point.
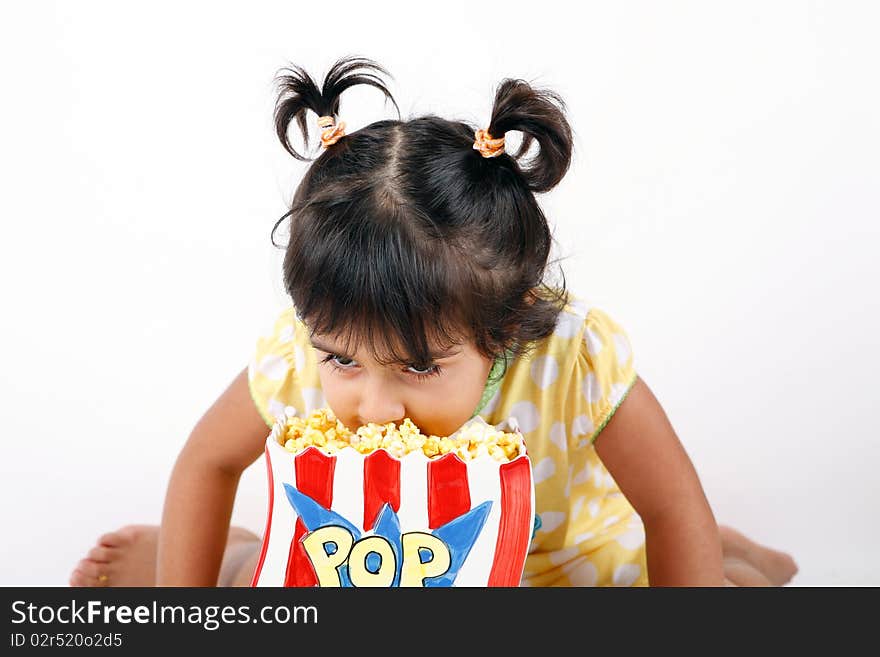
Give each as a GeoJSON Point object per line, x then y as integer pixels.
{"type": "Point", "coordinates": [403, 235]}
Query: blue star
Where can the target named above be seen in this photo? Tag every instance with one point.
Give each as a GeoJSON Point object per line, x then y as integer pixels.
{"type": "Point", "coordinates": [458, 535]}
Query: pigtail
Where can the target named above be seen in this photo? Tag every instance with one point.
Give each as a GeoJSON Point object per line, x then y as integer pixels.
{"type": "Point", "coordinates": [539, 115]}
{"type": "Point", "coordinates": [298, 93]}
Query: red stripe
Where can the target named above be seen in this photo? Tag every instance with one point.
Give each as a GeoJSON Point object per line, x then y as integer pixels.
{"type": "Point", "coordinates": [314, 477]}
{"type": "Point", "coordinates": [448, 492]}
{"type": "Point", "coordinates": [381, 485]}
{"type": "Point", "coordinates": [514, 529]}
{"type": "Point", "coordinates": [268, 521]}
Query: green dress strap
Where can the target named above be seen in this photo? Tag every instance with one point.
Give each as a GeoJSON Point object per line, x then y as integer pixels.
{"type": "Point", "coordinates": [493, 381]}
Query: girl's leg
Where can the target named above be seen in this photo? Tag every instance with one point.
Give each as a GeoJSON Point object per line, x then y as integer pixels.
{"type": "Point", "coordinates": [747, 563]}
{"type": "Point", "coordinates": [127, 557]}
{"type": "Point", "coordinates": [741, 573]}
{"type": "Point", "coordinates": [244, 573]}
{"type": "Point", "coordinates": [239, 562]}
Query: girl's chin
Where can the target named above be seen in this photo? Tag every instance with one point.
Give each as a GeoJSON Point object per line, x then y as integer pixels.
{"type": "Point", "coordinates": [441, 430]}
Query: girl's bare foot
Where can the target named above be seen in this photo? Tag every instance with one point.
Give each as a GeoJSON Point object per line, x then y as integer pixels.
{"type": "Point", "coordinates": [776, 567]}
{"type": "Point", "coordinates": [738, 572]}
{"type": "Point", "coordinates": [127, 557]}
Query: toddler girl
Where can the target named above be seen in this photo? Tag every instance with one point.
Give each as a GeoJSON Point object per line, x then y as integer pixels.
{"type": "Point", "coordinates": [416, 266]}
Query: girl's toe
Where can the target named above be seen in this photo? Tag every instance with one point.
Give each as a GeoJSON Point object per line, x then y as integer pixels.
{"type": "Point", "coordinates": [87, 574]}
{"type": "Point", "coordinates": [100, 554]}
{"type": "Point", "coordinates": [78, 578]}
{"type": "Point", "coordinates": [112, 539]}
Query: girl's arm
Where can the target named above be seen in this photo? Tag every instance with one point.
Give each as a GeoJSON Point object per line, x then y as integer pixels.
{"type": "Point", "coordinates": [639, 448]}
{"type": "Point", "coordinates": [198, 505]}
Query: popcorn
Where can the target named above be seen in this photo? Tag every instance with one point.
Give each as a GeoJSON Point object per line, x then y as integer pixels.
{"type": "Point", "coordinates": [322, 430]}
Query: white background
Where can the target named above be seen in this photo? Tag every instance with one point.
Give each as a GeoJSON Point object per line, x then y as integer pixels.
{"type": "Point", "coordinates": [722, 206]}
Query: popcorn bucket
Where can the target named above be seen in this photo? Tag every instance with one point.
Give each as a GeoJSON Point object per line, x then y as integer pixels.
{"type": "Point", "coordinates": [353, 519]}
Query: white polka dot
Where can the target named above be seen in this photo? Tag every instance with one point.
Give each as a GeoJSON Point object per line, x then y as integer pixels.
{"type": "Point", "coordinates": [583, 476]}
{"type": "Point", "coordinates": [544, 470]}
{"type": "Point", "coordinates": [275, 408]}
{"type": "Point", "coordinates": [510, 423]}
{"type": "Point", "coordinates": [581, 572]}
{"type": "Point", "coordinates": [577, 506]}
{"type": "Point", "coordinates": [526, 414]}
{"type": "Point", "coordinates": [632, 538]}
{"type": "Point", "coordinates": [299, 358]}
{"type": "Point", "coordinates": [609, 480]}
{"type": "Point", "coordinates": [591, 388]}
{"type": "Point", "coordinates": [544, 371]}
{"type": "Point", "coordinates": [622, 347]}
{"type": "Point", "coordinates": [594, 342]}
{"type": "Point", "coordinates": [568, 325]}
{"type": "Point", "coordinates": [583, 538]}
{"type": "Point", "coordinates": [598, 476]}
{"type": "Point", "coordinates": [559, 557]}
{"type": "Point", "coordinates": [626, 574]}
{"type": "Point", "coordinates": [610, 520]}
{"type": "Point", "coordinates": [313, 398]}
{"type": "Point", "coordinates": [550, 520]}
{"type": "Point", "coordinates": [492, 403]}
{"type": "Point", "coordinates": [285, 334]}
{"type": "Point", "coordinates": [618, 390]}
{"type": "Point", "coordinates": [557, 435]}
{"type": "Point", "coordinates": [593, 508]}
{"type": "Point", "coordinates": [273, 366]}
{"type": "Point", "coordinates": [582, 426]}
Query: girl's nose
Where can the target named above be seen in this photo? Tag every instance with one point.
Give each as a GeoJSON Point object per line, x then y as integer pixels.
{"type": "Point", "coordinates": [379, 405]}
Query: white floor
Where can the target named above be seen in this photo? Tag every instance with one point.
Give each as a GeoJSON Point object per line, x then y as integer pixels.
{"type": "Point", "coordinates": [45, 553]}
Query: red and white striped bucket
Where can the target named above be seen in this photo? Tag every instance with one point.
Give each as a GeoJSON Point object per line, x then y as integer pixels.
{"type": "Point", "coordinates": [425, 494]}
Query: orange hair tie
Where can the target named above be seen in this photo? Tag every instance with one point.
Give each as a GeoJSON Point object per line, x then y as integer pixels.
{"type": "Point", "coordinates": [487, 145]}
{"type": "Point", "coordinates": [331, 132]}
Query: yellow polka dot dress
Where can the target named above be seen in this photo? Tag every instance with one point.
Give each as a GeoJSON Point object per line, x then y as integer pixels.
{"type": "Point", "coordinates": [562, 394]}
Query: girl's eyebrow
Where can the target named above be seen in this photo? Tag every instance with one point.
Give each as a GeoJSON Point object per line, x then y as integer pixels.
{"type": "Point", "coordinates": [318, 344]}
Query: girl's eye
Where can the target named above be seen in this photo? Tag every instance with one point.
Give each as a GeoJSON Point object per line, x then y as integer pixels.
{"type": "Point", "coordinates": [338, 365]}
{"type": "Point", "coordinates": [431, 370]}
{"type": "Point", "coordinates": [335, 361]}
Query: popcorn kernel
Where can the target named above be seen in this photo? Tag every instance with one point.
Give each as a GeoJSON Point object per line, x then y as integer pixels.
{"type": "Point", "coordinates": [321, 429]}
